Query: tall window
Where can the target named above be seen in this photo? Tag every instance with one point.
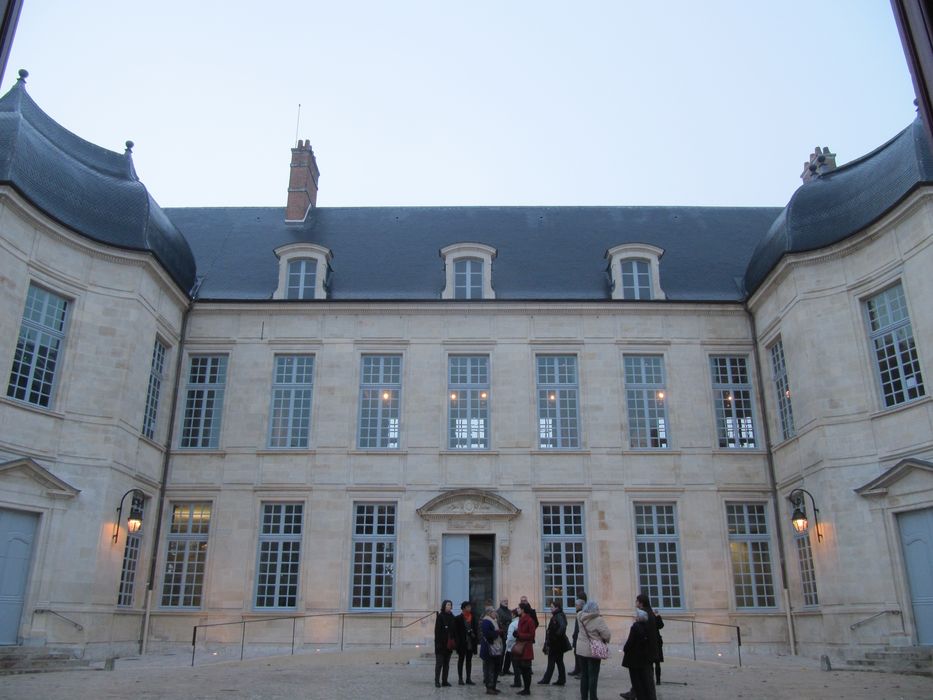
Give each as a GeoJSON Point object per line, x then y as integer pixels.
{"type": "Point", "coordinates": [151, 411]}
{"type": "Point", "coordinates": [186, 555]}
{"type": "Point", "coordinates": [644, 394]}
{"type": "Point", "coordinates": [562, 544]}
{"type": "Point", "coordinates": [658, 544]}
{"type": "Point", "coordinates": [292, 386]}
{"type": "Point", "coordinates": [807, 570]}
{"type": "Point", "coordinates": [373, 556]}
{"type": "Point", "coordinates": [130, 564]}
{"type": "Point", "coordinates": [279, 555]}
{"type": "Point", "coordinates": [732, 400]}
{"type": "Point", "coordinates": [380, 401]}
{"type": "Point", "coordinates": [204, 400]}
{"type": "Point", "coordinates": [895, 353]}
{"type": "Point", "coordinates": [468, 391]}
{"type": "Point", "coordinates": [750, 547]}
{"type": "Point", "coordinates": [302, 278]}
{"type": "Point", "coordinates": [38, 348]}
{"type": "Point", "coordinates": [557, 402]}
{"type": "Point", "coordinates": [636, 279]}
{"type": "Point", "coordinates": [782, 390]}
{"type": "Point", "coordinates": [468, 278]}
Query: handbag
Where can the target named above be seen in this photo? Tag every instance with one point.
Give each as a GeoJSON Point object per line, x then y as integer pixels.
{"type": "Point", "coordinates": [598, 648]}
{"type": "Point", "coordinates": [451, 644]}
{"type": "Point", "coordinates": [518, 648]}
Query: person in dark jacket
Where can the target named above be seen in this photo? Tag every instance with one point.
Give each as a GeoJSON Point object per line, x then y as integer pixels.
{"type": "Point", "coordinates": [555, 645]}
{"type": "Point", "coordinates": [504, 615]}
{"type": "Point", "coordinates": [641, 650]}
{"type": "Point", "coordinates": [580, 602]}
{"type": "Point", "coordinates": [466, 630]}
{"type": "Point", "coordinates": [443, 635]}
{"type": "Point", "coordinates": [525, 634]}
{"type": "Point", "coordinates": [659, 622]}
{"type": "Point", "coordinates": [491, 648]}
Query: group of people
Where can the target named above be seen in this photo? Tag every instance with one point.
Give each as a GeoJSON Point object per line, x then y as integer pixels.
{"type": "Point", "coordinates": [505, 637]}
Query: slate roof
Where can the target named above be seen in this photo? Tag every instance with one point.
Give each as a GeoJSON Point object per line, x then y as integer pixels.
{"type": "Point", "coordinates": [89, 189]}
{"type": "Point", "coordinates": [845, 201]}
{"type": "Point", "coordinates": [716, 254]}
{"type": "Point", "coordinates": [543, 253]}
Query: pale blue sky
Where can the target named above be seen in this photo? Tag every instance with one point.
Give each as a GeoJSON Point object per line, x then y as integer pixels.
{"type": "Point", "coordinates": [471, 103]}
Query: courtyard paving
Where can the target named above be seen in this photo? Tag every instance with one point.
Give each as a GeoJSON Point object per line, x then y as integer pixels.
{"type": "Point", "coordinates": [408, 674]}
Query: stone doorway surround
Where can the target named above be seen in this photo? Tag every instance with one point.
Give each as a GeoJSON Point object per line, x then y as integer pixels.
{"type": "Point", "coordinates": [466, 511]}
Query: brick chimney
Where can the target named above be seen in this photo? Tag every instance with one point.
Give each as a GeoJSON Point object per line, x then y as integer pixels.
{"type": "Point", "coordinates": [302, 183]}
{"type": "Point", "coordinates": [821, 162]}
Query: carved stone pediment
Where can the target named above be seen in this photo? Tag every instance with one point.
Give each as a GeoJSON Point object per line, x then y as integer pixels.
{"type": "Point", "coordinates": [40, 476]}
{"type": "Point", "coordinates": [474, 505]}
{"type": "Point", "coordinates": [906, 467]}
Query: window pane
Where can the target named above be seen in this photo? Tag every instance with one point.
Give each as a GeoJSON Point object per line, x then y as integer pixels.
{"type": "Point", "coordinates": [207, 377]}
{"type": "Point", "coordinates": [557, 402]}
{"type": "Point", "coordinates": [186, 555]}
{"type": "Point", "coordinates": [645, 400]}
{"type": "Point", "coordinates": [279, 557]}
{"type": "Point", "coordinates": [290, 414]}
{"type": "Point", "coordinates": [380, 401]}
{"type": "Point", "coordinates": [563, 544]}
{"type": "Point", "coordinates": [749, 545]}
{"type": "Point", "coordinates": [38, 347]}
{"type": "Point", "coordinates": [373, 570]}
{"type": "Point", "coordinates": [732, 399]}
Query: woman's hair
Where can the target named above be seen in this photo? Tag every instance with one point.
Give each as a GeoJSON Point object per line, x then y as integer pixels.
{"type": "Point", "coordinates": [557, 604]}
{"type": "Point", "coordinates": [466, 604]}
{"type": "Point", "coordinates": [444, 604]}
{"type": "Point", "coordinates": [591, 607]}
{"type": "Point", "coordinates": [489, 610]}
{"type": "Point", "coordinates": [645, 603]}
{"type": "Point", "coordinates": [526, 607]}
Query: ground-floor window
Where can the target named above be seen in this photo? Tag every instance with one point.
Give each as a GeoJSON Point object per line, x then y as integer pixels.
{"type": "Point", "coordinates": [373, 556]}
{"type": "Point", "coordinates": [658, 546]}
{"type": "Point", "coordinates": [750, 547]}
{"type": "Point", "coordinates": [186, 555]}
{"type": "Point", "coordinates": [807, 570]}
{"type": "Point", "coordinates": [128, 572]}
{"type": "Point", "coordinates": [563, 543]}
{"type": "Point", "coordinates": [279, 559]}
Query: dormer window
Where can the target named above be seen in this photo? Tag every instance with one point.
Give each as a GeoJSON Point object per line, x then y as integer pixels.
{"type": "Point", "coordinates": [468, 279]}
{"type": "Point", "coordinates": [468, 268]}
{"type": "Point", "coordinates": [302, 276]}
{"type": "Point", "coordinates": [635, 271]}
{"type": "Point", "coordinates": [303, 271]}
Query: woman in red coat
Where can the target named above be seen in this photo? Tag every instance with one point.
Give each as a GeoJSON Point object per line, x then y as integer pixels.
{"type": "Point", "coordinates": [525, 634]}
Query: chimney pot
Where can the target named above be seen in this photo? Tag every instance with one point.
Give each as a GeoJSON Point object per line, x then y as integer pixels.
{"type": "Point", "coordinates": [821, 161]}
{"type": "Point", "coordinates": [302, 182]}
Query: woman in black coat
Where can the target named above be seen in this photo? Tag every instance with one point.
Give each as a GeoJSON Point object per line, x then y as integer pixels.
{"type": "Point", "coordinates": [641, 650]}
{"type": "Point", "coordinates": [466, 630]}
{"type": "Point", "coordinates": [555, 644]}
{"type": "Point", "coordinates": [443, 635]}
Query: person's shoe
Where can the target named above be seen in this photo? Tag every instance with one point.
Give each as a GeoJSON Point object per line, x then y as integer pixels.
{"type": "Point", "coordinates": [524, 692]}
{"type": "Point", "coordinates": [437, 684]}
{"type": "Point", "coordinates": [490, 691]}
{"type": "Point", "coordinates": [574, 673]}
{"type": "Point", "coordinates": [544, 682]}
{"type": "Point", "coordinates": [445, 684]}
{"type": "Point", "coordinates": [469, 682]}
{"type": "Point", "coordinates": [561, 683]}
{"type": "Point", "coordinates": [460, 682]}
{"type": "Point", "coordinates": [628, 695]}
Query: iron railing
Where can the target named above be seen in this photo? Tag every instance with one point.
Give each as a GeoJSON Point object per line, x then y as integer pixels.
{"type": "Point", "coordinates": [693, 636]}
{"type": "Point", "coordinates": [391, 616]}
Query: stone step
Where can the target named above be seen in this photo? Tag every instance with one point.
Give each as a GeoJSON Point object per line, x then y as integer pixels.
{"type": "Point", "coordinates": [912, 654]}
{"type": "Point", "coordinates": [38, 660]}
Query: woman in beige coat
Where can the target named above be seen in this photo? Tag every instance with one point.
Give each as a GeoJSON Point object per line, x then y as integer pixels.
{"type": "Point", "coordinates": [592, 627]}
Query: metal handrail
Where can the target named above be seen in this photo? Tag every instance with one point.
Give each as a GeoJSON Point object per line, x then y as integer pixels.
{"type": "Point", "coordinates": [78, 626]}
{"type": "Point", "coordinates": [294, 618]}
{"type": "Point", "coordinates": [856, 625]}
{"type": "Point", "coordinates": [693, 638]}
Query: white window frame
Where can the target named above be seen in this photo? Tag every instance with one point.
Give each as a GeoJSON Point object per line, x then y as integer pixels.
{"type": "Point", "coordinates": [190, 540]}
{"type": "Point", "coordinates": [888, 336]}
{"type": "Point", "coordinates": [635, 251]}
{"type": "Point", "coordinates": [468, 403]}
{"type": "Point", "coordinates": [50, 338]}
{"type": "Point", "coordinates": [730, 400]}
{"type": "Point", "coordinates": [154, 390]}
{"type": "Point", "coordinates": [460, 251]}
{"type": "Point", "coordinates": [563, 551]}
{"type": "Point", "coordinates": [298, 251]}
{"type": "Point", "coordinates": [366, 577]}
{"type": "Point", "coordinates": [281, 527]}
{"type": "Point", "coordinates": [385, 399]}
{"type": "Point", "coordinates": [811, 597]}
{"type": "Point", "coordinates": [646, 402]}
{"type": "Point", "coordinates": [759, 582]}
{"type": "Point", "coordinates": [657, 553]}
{"type": "Point", "coordinates": [291, 403]}
{"type": "Point", "coordinates": [202, 418]}
{"type": "Point", "coordinates": [785, 409]}
{"type": "Point", "coordinates": [561, 397]}
{"type": "Point", "coordinates": [131, 550]}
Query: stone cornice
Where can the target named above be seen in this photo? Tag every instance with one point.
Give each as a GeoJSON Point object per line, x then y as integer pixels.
{"type": "Point", "coordinates": [469, 503]}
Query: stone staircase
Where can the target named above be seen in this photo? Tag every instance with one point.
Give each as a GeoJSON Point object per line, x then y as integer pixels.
{"type": "Point", "coordinates": [39, 660]}
{"type": "Point", "coordinates": [914, 661]}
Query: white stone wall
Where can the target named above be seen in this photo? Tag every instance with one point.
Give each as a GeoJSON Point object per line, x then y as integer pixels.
{"type": "Point", "coordinates": [845, 437]}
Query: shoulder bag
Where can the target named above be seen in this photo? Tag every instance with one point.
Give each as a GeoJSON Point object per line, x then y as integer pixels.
{"type": "Point", "coordinates": [598, 648]}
